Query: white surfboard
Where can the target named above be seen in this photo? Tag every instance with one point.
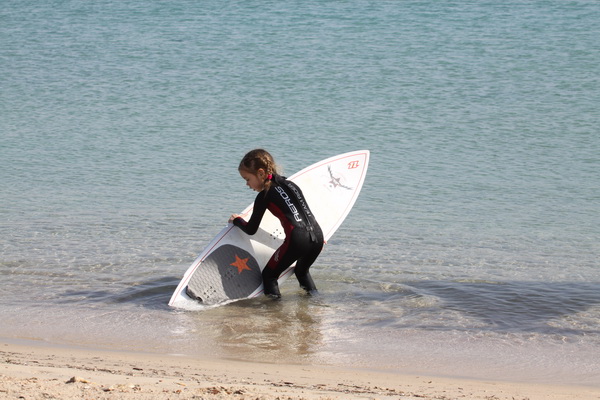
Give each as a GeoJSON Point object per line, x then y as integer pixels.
{"type": "Point", "coordinates": [230, 266]}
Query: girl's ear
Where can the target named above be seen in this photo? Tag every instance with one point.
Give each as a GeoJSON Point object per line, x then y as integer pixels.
{"type": "Point", "coordinates": [261, 174]}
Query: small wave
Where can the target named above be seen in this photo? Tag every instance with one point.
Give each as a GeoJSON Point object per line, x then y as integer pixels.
{"type": "Point", "coordinates": [153, 293]}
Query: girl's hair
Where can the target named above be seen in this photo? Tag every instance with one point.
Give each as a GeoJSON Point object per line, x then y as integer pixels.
{"type": "Point", "coordinates": [257, 159]}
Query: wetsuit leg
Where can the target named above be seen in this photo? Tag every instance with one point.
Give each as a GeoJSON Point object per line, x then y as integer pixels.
{"type": "Point", "coordinates": [305, 262]}
{"type": "Point", "coordinates": [296, 248]}
{"type": "Point", "coordinates": [279, 262]}
{"type": "Point", "coordinates": [270, 284]}
{"type": "Point", "coordinates": [299, 248]}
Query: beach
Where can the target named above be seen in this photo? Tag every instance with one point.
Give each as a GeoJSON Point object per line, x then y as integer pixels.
{"type": "Point", "coordinates": [42, 371]}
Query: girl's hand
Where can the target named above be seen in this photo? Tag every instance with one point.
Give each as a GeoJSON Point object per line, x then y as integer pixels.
{"type": "Point", "coordinates": [233, 216]}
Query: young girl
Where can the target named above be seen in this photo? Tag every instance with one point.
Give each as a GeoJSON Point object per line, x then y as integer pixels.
{"type": "Point", "coordinates": [284, 199]}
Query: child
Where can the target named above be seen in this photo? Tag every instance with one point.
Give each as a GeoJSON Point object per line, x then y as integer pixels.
{"type": "Point", "coordinates": [284, 199]}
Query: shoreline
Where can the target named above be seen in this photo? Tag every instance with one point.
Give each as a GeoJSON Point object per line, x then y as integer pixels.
{"type": "Point", "coordinates": [35, 370]}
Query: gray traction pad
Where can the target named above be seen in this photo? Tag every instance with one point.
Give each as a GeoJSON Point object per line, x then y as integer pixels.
{"type": "Point", "coordinates": [227, 273]}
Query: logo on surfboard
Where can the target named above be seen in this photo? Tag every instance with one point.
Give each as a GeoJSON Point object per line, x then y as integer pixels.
{"type": "Point", "coordinates": [353, 164]}
{"type": "Point", "coordinates": [241, 264]}
{"type": "Point", "coordinates": [337, 180]}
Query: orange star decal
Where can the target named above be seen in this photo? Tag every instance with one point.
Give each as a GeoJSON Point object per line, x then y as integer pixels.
{"type": "Point", "coordinates": [241, 264]}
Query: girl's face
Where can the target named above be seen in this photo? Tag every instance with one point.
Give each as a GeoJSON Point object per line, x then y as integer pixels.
{"type": "Point", "coordinates": [256, 181]}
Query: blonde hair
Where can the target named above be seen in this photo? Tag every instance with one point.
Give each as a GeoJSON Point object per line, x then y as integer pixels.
{"type": "Point", "coordinates": [259, 159]}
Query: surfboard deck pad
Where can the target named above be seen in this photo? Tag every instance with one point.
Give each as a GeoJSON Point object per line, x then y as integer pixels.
{"type": "Point", "coordinates": [229, 272]}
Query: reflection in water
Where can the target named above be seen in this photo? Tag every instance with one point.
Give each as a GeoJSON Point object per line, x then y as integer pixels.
{"type": "Point", "coordinates": [262, 329]}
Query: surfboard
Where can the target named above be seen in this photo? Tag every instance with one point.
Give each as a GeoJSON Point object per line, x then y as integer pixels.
{"type": "Point", "coordinates": [230, 266]}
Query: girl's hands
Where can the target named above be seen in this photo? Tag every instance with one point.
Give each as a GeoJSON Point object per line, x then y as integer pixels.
{"type": "Point", "coordinates": [233, 216]}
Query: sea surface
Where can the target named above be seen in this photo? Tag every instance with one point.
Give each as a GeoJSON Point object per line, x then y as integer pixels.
{"type": "Point", "coordinates": [473, 249]}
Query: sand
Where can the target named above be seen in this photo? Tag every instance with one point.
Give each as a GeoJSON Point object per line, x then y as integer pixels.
{"type": "Point", "coordinates": [41, 371]}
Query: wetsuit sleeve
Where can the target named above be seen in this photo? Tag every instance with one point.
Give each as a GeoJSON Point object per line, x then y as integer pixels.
{"type": "Point", "coordinates": [251, 227]}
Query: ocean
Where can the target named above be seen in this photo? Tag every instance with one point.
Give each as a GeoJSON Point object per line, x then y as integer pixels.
{"type": "Point", "coordinates": [471, 251]}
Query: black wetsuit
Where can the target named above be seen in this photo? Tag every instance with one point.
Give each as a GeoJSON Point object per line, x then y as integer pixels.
{"type": "Point", "coordinates": [303, 236]}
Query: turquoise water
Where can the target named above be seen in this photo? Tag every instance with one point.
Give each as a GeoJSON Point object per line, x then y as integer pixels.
{"type": "Point", "coordinates": [472, 250]}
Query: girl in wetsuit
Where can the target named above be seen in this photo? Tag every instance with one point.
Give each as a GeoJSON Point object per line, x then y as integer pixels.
{"type": "Point", "coordinates": [284, 199]}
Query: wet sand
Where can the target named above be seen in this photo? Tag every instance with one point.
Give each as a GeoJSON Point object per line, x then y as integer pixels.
{"type": "Point", "coordinates": [41, 371]}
